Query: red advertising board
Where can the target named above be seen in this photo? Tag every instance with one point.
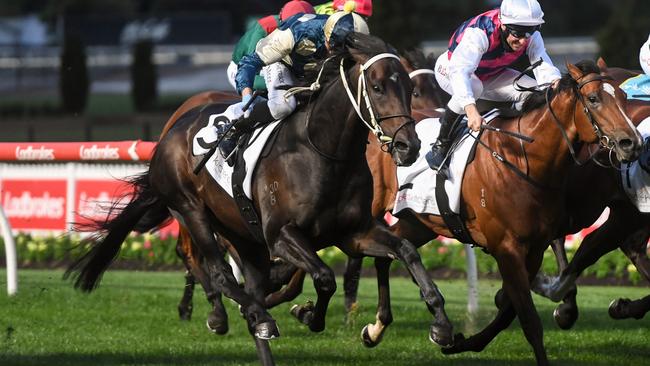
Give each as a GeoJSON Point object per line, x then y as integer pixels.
{"type": "Point", "coordinates": [35, 204]}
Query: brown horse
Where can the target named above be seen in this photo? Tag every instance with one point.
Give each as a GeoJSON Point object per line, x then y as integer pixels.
{"type": "Point", "coordinates": [626, 228]}
{"type": "Point", "coordinates": [323, 194]}
{"type": "Point", "coordinates": [514, 212]}
{"type": "Point", "coordinates": [427, 96]}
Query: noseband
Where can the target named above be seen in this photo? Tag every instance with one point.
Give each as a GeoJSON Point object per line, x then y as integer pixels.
{"type": "Point", "coordinates": [362, 90]}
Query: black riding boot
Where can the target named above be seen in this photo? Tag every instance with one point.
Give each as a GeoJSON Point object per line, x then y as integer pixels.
{"type": "Point", "coordinates": [440, 148]}
{"type": "Point", "coordinates": [259, 116]}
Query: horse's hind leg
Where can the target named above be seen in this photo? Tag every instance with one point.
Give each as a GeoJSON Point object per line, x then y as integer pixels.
{"type": "Point", "coordinates": [378, 241]}
{"type": "Point", "coordinates": [220, 274]}
{"type": "Point", "coordinates": [293, 246]}
{"type": "Point", "coordinates": [351, 283]}
{"type": "Point", "coordinates": [372, 334]}
{"type": "Point", "coordinates": [626, 308]}
{"type": "Point", "coordinates": [288, 292]}
{"type": "Point", "coordinates": [185, 305]}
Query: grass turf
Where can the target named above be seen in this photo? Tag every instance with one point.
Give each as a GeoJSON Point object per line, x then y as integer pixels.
{"type": "Point", "coordinates": [132, 320]}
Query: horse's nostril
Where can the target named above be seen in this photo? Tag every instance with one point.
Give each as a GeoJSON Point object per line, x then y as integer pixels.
{"type": "Point", "coordinates": [400, 146]}
{"type": "Point", "coordinates": [625, 144]}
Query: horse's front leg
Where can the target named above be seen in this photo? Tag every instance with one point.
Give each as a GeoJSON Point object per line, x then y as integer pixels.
{"type": "Point", "coordinates": [635, 248]}
{"type": "Point", "coordinates": [292, 245]}
{"type": "Point", "coordinates": [566, 314]}
{"type": "Point", "coordinates": [378, 241]}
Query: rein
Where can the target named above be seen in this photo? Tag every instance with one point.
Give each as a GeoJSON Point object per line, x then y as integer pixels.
{"type": "Point", "coordinates": [604, 140]}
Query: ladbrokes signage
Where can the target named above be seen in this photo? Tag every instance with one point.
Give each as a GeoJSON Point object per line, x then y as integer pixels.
{"type": "Point", "coordinates": [35, 205]}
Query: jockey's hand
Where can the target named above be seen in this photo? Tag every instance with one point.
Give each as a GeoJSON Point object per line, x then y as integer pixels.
{"type": "Point", "coordinates": [555, 83]}
{"type": "Point", "coordinates": [474, 118]}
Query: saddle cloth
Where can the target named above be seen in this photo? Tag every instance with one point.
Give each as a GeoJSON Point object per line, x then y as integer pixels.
{"type": "Point", "coordinates": [636, 175]}
{"type": "Point", "coordinates": [637, 87]}
{"type": "Point", "coordinates": [417, 183]}
{"type": "Point", "coordinates": [217, 166]}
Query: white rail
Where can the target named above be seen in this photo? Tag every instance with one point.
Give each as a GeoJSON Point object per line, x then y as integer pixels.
{"type": "Point", "coordinates": [10, 254]}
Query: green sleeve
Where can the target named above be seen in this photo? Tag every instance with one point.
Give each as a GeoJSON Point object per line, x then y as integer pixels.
{"type": "Point", "coordinates": [247, 42]}
{"type": "Point", "coordinates": [326, 8]}
{"type": "Point", "coordinates": [259, 83]}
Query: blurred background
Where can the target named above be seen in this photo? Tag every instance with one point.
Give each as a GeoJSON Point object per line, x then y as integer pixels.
{"type": "Point", "coordinates": [89, 70]}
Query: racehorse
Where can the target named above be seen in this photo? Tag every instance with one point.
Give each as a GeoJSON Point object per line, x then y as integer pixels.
{"type": "Point", "coordinates": [427, 96]}
{"type": "Point", "coordinates": [321, 193]}
{"type": "Point", "coordinates": [625, 228]}
{"type": "Point", "coordinates": [513, 210]}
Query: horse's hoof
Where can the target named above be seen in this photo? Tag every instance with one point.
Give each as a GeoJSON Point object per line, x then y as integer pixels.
{"type": "Point", "coordinates": [304, 313]}
{"type": "Point", "coordinates": [367, 340]}
{"type": "Point", "coordinates": [618, 309]}
{"type": "Point", "coordinates": [267, 330]}
{"type": "Point", "coordinates": [565, 316]}
{"type": "Point", "coordinates": [217, 325]}
{"type": "Point", "coordinates": [457, 347]}
{"type": "Point", "coordinates": [185, 315]}
{"type": "Point", "coordinates": [441, 336]}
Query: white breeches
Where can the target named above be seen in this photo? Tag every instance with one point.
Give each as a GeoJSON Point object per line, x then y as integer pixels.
{"type": "Point", "coordinates": [498, 88]}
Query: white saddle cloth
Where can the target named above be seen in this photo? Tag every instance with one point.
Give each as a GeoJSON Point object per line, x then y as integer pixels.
{"type": "Point", "coordinates": [418, 181]}
{"type": "Point", "coordinates": [217, 166]}
{"type": "Point", "coordinates": [636, 181]}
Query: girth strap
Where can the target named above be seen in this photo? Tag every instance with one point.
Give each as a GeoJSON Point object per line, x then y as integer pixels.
{"type": "Point", "coordinates": [455, 222]}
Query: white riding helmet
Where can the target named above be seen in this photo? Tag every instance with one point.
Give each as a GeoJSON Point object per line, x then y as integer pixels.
{"type": "Point", "coordinates": [521, 12]}
{"type": "Point", "coordinates": [644, 57]}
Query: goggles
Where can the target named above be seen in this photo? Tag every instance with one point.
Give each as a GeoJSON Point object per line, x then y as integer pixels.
{"type": "Point", "coordinates": [520, 31]}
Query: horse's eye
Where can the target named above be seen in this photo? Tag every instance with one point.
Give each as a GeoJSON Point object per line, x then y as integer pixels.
{"type": "Point", "coordinates": [376, 88]}
{"type": "Point", "coordinates": [592, 99]}
{"type": "Point", "coordinates": [416, 94]}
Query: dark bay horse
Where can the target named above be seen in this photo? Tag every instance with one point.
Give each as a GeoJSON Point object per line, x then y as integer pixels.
{"type": "Point", "coordinates": [626, 228]}
{"type": "Point", "coordinates": [427, 96]}
{"type": "Point", "coordinates": [514, 216]}
{"type": "Point", "coordinates": [321, 194]}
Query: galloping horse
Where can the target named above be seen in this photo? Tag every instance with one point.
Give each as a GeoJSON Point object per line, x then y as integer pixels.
{"type": "Point", "coordinates": [625, 228]}
{"type": "Point", "coordinates": [427, 96]}
{"type": "Point", "coordinates": [513, 210]}
{"type": "Point", "coordinates": [312, 186]}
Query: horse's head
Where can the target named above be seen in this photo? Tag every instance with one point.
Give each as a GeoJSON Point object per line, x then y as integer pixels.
{"type": "Point", "coordinates": [383, 95]}
{"type": "Point", "coordinates": [427, 94]}
{"type": "Point", "coordinates": [600, 116]}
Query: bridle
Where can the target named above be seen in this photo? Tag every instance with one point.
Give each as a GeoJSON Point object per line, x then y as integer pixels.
{"type": "Point", "coordinates": [374, 125]}
{"type": "Point", "coordinates": [604, 141]}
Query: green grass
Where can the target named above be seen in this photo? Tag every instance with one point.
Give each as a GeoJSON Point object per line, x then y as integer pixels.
{"type": "Point", "coordinates": [132, 320]}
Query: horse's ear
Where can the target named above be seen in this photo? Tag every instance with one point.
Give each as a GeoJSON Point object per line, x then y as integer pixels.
{"type": "Point", "coordinates": [574, 71]}
{"type": "Point", "coordinates": [601, 65]}
{"type": "Point", "coordinates": [431, 59]}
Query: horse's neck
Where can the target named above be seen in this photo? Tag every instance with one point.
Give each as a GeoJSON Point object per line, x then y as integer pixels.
{"type": "Point", "coordinates": [336, 128]}
{"type": "Point", "coordinates": [549, 155]}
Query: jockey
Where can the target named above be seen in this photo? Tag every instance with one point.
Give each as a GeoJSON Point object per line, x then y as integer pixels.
{"type": "Point", "coordinates": [287, 52]}
{"type": "Point", "coordinates": [362, 7]}
{"type": "Point", "coordinates": [644, 57]}
{"type": "Point", "coordinates": [259, 30]}
{"type": "Point", "coordinates": [477, 62]}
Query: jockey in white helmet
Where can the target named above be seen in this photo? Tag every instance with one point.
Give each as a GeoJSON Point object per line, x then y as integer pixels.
{"type": "Point", "coordinates": [477, 65]}
{"type": "Point", "coordinates": [644, 57]}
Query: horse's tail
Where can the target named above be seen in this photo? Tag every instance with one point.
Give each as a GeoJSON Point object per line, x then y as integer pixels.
{"type": "Point", "coordinates": [144, 212]}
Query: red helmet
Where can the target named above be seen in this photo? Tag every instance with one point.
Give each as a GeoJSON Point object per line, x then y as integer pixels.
{"type": "Point", "coordinates": [362, 7]}
{"type": "Point", "coordinates": [294, 7]}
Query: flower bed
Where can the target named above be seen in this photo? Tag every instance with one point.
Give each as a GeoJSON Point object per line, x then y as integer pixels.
{"type": "Point", "coordinates": [153, 252]}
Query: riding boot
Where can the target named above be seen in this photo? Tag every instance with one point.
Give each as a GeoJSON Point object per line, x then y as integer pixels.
{"type": "Point", "coordinates": [441, 147]}
{"type": "Point", "coordinates": [260, 115]}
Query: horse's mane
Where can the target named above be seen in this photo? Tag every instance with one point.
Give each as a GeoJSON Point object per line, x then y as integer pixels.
{"type": "Point", "coordinates": [355, 43]}
{"type": "Point", "coordinates": [538, 98]}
